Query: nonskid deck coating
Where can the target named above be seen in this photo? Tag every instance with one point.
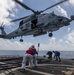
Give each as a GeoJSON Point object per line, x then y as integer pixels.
{"type": "Point", "coordinates": [66, 67]}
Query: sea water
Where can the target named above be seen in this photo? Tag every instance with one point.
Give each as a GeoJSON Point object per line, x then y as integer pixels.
{"type": "Point", "coordinates": [64, 54]}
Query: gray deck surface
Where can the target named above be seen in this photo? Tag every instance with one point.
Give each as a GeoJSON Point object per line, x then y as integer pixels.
{"type": "Point", "coordinates": [12, 67]}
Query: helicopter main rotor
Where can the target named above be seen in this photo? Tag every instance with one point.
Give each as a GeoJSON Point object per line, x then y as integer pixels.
{"type": "Point", "coordinates": [35, 12]}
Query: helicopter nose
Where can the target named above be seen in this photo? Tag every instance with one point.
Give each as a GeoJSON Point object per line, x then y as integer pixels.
{"type": "Point", "coordinates": [64, 21]}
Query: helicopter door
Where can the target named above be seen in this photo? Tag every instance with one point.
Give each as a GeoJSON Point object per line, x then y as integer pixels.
{"type": "Point", "coordinates": [21, 23]}
{"type": "Point", "coordinates": [33, 23]}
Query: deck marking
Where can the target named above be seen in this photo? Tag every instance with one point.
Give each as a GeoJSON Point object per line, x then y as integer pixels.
{"type": "Point", "coordinates": [44, 73]}
{"type": "Point", "coordinates": [40, 72]}
{"type": "Point", "coordinates": [54, 65]}
{"type": "Point", "coordinates": [68, 72]}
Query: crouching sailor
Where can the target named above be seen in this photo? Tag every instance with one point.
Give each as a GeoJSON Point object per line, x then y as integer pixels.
{"type": "Point", "coordinates": [30, 57]}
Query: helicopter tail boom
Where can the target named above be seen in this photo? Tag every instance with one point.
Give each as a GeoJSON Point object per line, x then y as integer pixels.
{"type": "Point", "coordinates": [3, 33]}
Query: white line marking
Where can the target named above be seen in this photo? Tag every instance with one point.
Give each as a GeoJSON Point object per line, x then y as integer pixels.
{"type": "Point", "coordinates": [44, 73]}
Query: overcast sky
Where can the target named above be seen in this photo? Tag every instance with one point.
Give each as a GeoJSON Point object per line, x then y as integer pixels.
{"type": "Point", "coordinates": [63, 39]}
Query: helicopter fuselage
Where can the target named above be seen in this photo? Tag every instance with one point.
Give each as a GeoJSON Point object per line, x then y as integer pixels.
{"type": "Point", "coordinates": [40, 25]}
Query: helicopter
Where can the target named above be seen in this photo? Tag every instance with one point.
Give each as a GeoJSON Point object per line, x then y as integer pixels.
{"type": "Point", "coordinates": [38, 23]}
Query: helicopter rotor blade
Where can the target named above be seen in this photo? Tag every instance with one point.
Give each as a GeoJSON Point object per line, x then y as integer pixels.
{"type": "Point", "coordinates": [54, 5]}
{"type": "Point", "coordinates": [38, 12]}
{"type": "Point", "coordinates": [18, 19]}
{"type": "Point", "coordinates": [25, 6]}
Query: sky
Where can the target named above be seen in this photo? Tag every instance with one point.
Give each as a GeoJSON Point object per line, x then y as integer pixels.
{"type": "Point", "coordinates": [63, 39]}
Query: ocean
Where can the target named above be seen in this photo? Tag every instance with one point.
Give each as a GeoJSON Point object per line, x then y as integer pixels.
{"type": "Point", "coordinates": [64, 54]}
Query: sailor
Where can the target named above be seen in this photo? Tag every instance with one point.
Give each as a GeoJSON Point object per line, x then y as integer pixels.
{"type": "Point", "coordinates": [30, 57]}
{"type": "Point", "coordinates": [57, 56]}
{"type": "Point", "coordinates": [49, 53]}
{"type": "Point", "coordinates": [34, 56]}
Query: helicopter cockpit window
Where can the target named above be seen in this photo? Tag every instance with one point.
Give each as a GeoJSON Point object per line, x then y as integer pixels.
{"type": "Point", "coordinates": [33, 23]}
{"type": "Point", "coordinates": [51, 15]}
{"type": "Point", "coordinates": [21, 23]}
{"type": "Point", "coordinates": [60, 19]}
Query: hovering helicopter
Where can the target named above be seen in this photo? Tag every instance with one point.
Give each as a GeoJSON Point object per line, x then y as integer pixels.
{"type": "Point", "coordinates": [38, 23]}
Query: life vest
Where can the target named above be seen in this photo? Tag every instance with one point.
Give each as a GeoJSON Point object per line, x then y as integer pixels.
{"type": "Point", "coordinates": [29, 51]}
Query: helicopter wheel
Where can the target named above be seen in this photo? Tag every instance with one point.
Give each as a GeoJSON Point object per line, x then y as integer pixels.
{"type": "Point", "coordinates": [50, 34]}
{"type": "Point", "coordinates": [21, 40]}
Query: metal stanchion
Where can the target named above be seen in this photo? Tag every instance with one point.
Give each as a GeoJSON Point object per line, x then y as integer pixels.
{"type": "Point", "coordinates": [38, 49]}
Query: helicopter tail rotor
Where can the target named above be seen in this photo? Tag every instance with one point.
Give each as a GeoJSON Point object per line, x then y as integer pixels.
{"type": "Point", "coordinates": [2, 26]}
{"type": "Point", "coordinates": [2, 29]}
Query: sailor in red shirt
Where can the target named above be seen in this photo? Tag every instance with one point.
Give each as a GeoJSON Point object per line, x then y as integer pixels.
{"type": "Point", "coordinates": [34, 57]}
{"type": "Point", "coordinates": [30, 57]}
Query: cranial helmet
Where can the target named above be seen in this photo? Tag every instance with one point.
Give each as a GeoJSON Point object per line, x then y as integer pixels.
{"type": "Point", "coordinates": [32, 46]}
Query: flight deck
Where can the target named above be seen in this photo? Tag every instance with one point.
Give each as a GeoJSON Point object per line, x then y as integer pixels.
{"type": "Point", "coordinates": [12, 66]}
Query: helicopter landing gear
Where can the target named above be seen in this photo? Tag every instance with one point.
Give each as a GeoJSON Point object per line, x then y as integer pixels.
{"type": "Point", "coordinates": [50, 34]}
{"type": "Point", "coordinates": [40, 30]}
{"type": "Point", "coordinates": [21, 40]}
